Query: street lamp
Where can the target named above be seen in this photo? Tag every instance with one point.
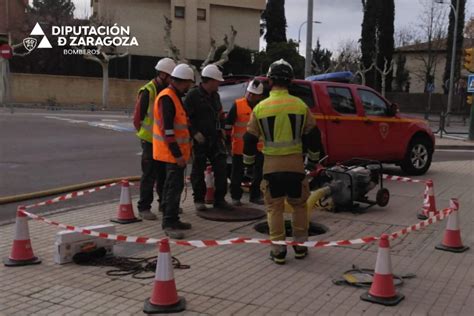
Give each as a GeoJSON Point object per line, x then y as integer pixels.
{"type": "Point", "coordinates": [453, 55]}
{"type": "Point", "coordinates": [299, 31]}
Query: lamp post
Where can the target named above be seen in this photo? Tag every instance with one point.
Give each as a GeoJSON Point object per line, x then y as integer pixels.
{"type": "Point", "coordinates": [453, 56]}
{"type": "Point", "coordinates": [299, 31]}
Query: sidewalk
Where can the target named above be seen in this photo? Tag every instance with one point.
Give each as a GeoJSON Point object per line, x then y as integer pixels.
{"type": "Point", "coordinates": [241, 280]}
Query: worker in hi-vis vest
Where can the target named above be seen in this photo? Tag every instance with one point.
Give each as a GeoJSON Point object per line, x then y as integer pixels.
{"type": "Point", "coordinates": [153, 172]}
{"type": "Point", "coordinates": [236, 126]}
{"type": "Point", "coordinates": [172, 146]}
{"type": "Point", "coordinates": [285, 124]}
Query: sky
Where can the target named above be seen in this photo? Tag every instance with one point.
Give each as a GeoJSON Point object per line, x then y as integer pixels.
{"type": "Point", "coordinates": [341, 19]}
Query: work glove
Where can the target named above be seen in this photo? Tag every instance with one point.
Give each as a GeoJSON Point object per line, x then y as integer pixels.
{"type": "Point", "coordinates": [199, 138]}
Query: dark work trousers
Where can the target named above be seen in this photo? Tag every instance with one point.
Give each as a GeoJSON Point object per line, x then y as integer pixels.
{"type": "Point", "coordinates": [153, 175]}
{"type": "Point", "coordinates": [218, 161]}
{"type": "Point", "coordinates": [238, 173]}
{"type": "Point", "coordinates": [172, 189]}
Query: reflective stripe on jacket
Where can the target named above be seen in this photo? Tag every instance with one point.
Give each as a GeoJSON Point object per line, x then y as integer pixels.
{"type": "Point", "coordinates": [161, 150]}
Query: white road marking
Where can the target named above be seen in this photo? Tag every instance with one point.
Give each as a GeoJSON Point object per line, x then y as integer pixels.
{"type": "Point", "coordinates": [108, 120]}
{"type": "Point", "coordinates": [456, 150]}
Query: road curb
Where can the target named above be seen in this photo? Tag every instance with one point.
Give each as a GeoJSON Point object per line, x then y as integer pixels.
{"type": "Point", "coordinates": [41, 194]}
{"type": "Point", "coordinates": [454, 147]}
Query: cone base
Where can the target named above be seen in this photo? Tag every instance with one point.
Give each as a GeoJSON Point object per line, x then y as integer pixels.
{"type": "Point", "coordinates": [390, 301]}
{"type": "Point", "coordinates": [452, 249]}
{"type": "Point", "coordinates": [150, 308]}
{"type": "Point", "coordinates": [125, 221]}
{"type": "Point", "coordinates": [18, 263]}
{"type": "Point", "coordinates": [422, 216]}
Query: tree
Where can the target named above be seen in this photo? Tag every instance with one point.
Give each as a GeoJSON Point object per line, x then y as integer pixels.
{"type": "Point", "coordinates": [368, 38]}
{"type": "Point", "coordinates": [432, 31]}
{"type": "Point", "coordinates": [321, 59]}
{"type": "Point", "coordinates": [240, 60]}
{"type": "Point", "coordinates": [377, 38]}
{"type": "Point", "coordinates": [469, 29]}
{"type": "Point", "coordinates": [401, 74]}
{"type": "Point", "coordinates": [275, 51]}
{"type": "Point", "coordinates": [274, 21]}
{"type": "Point", "coordinates": [459, 41]}
{"type": "Point", "coordinates": [53, 12]}
{"type": "Point", "coordinates": [385, 29]}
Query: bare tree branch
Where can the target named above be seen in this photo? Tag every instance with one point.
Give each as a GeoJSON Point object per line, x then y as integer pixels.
{"type": "Point", "coordinates": [173, 51]}
{"type": "Point", "coordinates": [229, 43]}
{"type": "Point", "coordinates": [210, 55]}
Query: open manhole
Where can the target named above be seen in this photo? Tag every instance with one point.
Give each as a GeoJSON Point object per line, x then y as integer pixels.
{"type": "Point", "coordinates": [313, 230]}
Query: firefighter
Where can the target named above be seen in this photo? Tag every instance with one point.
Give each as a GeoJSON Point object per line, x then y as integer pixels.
{"type": "Point", "coordinates": [286, 125]}
{"type": "Point", "coordinates": [236, 125]}
{"type": "Point", "coordinates": [172, 146]}
{"type": "Point", "coordinates": [204, 108]}
{"type": "Point", "coordinates": [152, 171]}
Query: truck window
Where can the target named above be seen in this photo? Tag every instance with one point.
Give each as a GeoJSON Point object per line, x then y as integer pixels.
{"type": "Point", "coordinates": [373, 104]}
{"type": "Point", "coordinates": [341, 100]}
{"type": "Point", "coordinates": [303, 92]}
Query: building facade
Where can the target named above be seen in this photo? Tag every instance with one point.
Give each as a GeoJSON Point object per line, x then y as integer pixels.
{"type": "Point", "coordinates": [194, 23]}
{"type": "Point", "coordinates": [417, 57]}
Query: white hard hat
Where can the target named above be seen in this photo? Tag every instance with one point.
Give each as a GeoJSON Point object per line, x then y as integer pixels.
{"type": "Point", "coordinates": [183, 72]}
{"type": "Point", "coordinates": [165, 65]}
{"type": "Point", "coordinates": [213, 72]}
{"type": "Point", "coordinates": [255, 87]}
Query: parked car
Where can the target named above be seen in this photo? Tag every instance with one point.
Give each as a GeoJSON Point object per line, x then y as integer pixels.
{"type": "Point", "coordinates": [356, 121]}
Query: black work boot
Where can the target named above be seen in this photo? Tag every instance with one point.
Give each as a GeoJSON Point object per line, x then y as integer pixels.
{"type": "Point", "coordinates": [300, 252]}
{"type": "Point", "coordinates": [223, 205]}
{"type": "Point", "coordinates": [278, 257]}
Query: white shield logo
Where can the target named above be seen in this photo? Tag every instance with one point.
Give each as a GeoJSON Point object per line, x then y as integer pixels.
{"type": "Point", "coordinates": [30, 43]}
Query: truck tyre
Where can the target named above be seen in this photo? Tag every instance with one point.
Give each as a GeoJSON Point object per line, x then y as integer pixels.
{"type": "Point", "coordinates": [418, 156]}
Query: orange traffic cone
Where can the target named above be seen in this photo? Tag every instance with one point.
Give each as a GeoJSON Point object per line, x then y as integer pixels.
{"type": "Point", "coordinates": [452, 235]}
{"type": "Point", "coordinates": [22, 253]}
{"type": "Point", "coordinates": [125, 213]}
{"type": "Point", "coordinates": [429, 202]}
{"type": "Point", "coordinates": [382, 290]}
{"type": "Point", "coordinates": [164, 298]}
{"type": "Point", "coordinates": [209, 179]}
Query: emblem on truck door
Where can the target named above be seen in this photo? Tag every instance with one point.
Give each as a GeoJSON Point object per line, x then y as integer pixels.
{"type": "Point", "coordinates": [383, 128]}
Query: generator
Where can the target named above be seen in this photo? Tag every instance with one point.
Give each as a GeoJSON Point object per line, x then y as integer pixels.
{"type": "Point", "coordinates": [350, 182]}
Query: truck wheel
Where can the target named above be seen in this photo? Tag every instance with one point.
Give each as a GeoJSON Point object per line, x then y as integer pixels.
{"type": "Point", "coordinates": [382, 197]}
{"type": "Point", "coordinates": [418, 157]}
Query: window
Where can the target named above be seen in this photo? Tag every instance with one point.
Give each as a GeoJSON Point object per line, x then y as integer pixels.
{"type": "Point", "coordinates": [342, 101]}
{"type": "Point", "coordinates": [373, 104]}
{"type": "Point", "coordinates": [201, 14]}
{"type": "Point", "coordinates": [179, 12]}
{"type": "Point", "coordinates": [303, 92]}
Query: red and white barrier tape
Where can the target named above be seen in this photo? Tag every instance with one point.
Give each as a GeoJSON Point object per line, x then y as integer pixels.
{"type": "Point", "coordinates": [233, 241]}
{"type": "Point", "coordinates": [74, 195]}
{"type": "Point", "coordinates": [403, 179]}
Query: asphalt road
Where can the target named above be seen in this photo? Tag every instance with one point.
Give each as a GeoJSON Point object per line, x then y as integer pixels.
{"type": "Point", "coordinates": [41, 150]}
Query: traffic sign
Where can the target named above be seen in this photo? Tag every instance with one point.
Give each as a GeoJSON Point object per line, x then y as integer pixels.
{"type": "Point", "coordinates": [6, 51]}
{"type": "Point", "coordinates": [470, 84]}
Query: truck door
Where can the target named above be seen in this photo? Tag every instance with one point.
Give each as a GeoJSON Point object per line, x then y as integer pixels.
{"type": "Point", "coordinates": [379, 129]}
{"type": "Point", "coordinates": [341, 115]}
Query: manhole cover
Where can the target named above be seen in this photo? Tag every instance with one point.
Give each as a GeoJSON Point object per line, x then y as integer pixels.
{"type": "Point", "coordinates": [313, 230]}
{"type": "Point", "coordinates": [238, 214]}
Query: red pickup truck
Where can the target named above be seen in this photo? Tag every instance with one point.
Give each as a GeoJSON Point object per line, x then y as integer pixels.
{"type": "Point", "coordinates": [356, 121]}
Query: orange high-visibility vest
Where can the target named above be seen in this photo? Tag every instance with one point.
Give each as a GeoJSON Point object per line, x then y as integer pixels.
{"type": "Point", "coordinates": [161, 150]}
{"type": "Point", "coordinates": [240, 126]}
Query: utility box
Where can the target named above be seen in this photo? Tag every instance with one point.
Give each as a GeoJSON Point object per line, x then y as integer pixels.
{"type": "Point", "coordinates": [68, 243]}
